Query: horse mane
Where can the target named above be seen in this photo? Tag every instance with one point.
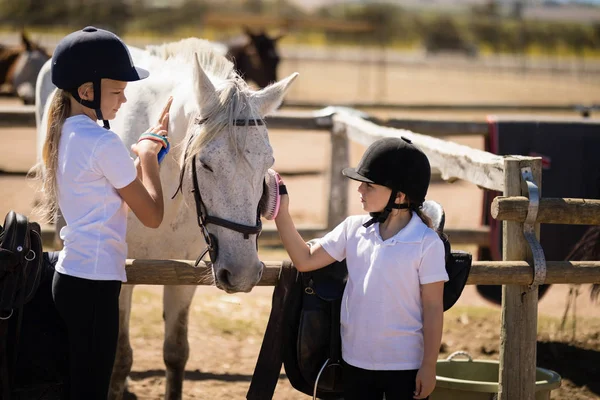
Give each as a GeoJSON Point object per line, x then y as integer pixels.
{"type": "Point", "coordinates": [185, 48]}
{"type": "Point", "coordinates": [588, 249]}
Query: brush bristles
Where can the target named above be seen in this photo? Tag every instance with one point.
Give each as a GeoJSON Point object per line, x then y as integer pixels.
{"type": "Point", "coordinates": [269, 202]}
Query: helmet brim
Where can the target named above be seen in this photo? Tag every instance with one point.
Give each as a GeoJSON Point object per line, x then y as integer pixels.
{"type": "Point", "coordinates": [352, 174]}
{"type": "Point", "coordinates": [141, 73]}
{"type": "Point", "coordinates": [132, 75]}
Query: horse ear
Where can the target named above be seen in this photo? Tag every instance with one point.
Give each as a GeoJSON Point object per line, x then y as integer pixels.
{"type": "Point", "coordinates": [271, 97]}
{"type": "Point", "coordinates": [205, 90]}
{"type": "Point", "coordinates": [26, 42]}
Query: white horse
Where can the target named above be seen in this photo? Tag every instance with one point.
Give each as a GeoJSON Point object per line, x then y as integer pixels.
{"type": "Point", "coordinates": [215, 119]}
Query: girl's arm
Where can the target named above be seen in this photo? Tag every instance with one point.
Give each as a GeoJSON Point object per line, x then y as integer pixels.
{"type": "Point", "coordinates": [305, 258]}
{"type": "Point", "coordinates": [144, 195]}
{"type": "Point", "coordinates": [138, 167]}
{"type": "Point", "coordinates": [432, 295]}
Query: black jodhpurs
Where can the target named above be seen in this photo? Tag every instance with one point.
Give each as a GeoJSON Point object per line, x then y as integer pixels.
{"type": "Point", "coordinates": [363, 384]}
{"type": "Point", "coordinates": [90, 310]}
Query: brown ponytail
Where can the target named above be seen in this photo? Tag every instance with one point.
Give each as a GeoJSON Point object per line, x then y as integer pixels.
{"type": "Point", "coordinates": [59, 111]}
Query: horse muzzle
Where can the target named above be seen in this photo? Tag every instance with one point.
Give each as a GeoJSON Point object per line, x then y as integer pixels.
{"type": "Point", "coordinates": [240, 279]}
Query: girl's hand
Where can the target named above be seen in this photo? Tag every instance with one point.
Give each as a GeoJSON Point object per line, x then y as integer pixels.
{"type": "Point", "coordinates": [284, 202]}
{"type": "Point", "coordinates": [425, 382]}
{"type": "Point", "coordinates": [151, 147]}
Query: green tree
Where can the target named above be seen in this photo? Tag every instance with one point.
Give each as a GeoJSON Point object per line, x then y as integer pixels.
{"type": "Point", "coordinates": [390, 23]}
{"type": "Point", "coordinates": [163, 22]}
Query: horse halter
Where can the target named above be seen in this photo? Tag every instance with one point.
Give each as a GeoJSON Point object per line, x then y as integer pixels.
{"type": "Point", "coordinates": [212, 246]}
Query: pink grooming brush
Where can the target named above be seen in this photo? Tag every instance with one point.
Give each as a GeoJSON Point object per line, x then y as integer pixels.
{"type": "Point", "coordinates": [269, 202]}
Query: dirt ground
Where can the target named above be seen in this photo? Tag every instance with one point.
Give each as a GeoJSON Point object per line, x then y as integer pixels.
{"type": "Point", "coordinates": [226, 331]}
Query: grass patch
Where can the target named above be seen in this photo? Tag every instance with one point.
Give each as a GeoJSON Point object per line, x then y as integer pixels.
{"type": "Point", "coordinates": [146, 312]}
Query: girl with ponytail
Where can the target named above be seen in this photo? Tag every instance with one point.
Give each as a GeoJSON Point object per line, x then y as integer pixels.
{"type": "Point", "coordinates": [392, 306]}
{"type": "Point", "coordinates": [88, 173]}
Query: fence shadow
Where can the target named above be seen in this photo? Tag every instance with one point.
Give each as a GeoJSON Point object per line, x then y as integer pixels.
{"type": "Point", "coordinates": [196, 375]}
{"type": "Point", "coordinates": [579, 365]}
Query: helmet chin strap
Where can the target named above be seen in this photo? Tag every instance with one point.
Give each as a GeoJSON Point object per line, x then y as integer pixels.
{"type": "Point", "coordinates": [381, 216]}
{"type": "Point", "coordinates": [94, 104]}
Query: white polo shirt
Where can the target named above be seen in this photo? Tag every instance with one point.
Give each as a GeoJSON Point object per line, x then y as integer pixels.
{"type": "Point", "coordinates": [92, 163]}
{"type": "Point", "coordinates": [382, 312]}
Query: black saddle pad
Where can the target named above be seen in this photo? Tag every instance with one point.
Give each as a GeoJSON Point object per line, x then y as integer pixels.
{"type": "Point", "coordinates": [42, 364]}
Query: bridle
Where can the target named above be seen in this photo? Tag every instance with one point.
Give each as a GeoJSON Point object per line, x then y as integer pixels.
{"type": "Point", "coordinates": [204, 218]}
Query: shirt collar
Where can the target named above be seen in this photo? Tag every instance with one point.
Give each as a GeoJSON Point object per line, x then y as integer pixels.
{"type": "Point", "coordinates": [412, 233]}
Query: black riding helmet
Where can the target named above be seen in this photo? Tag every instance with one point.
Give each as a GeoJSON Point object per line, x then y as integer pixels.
{"type": "Point", "coordinates": [397, 164]}
{"type": "Point", "coordinates": [90, 55]}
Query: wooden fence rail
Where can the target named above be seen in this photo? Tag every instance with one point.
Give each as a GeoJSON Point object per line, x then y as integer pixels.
{"type": "Point", "coordinates": [551, 210]}
{"type": "Point", "coordinates": [454, 161]}
{"type": "Point", "coordinates": [183, 272]}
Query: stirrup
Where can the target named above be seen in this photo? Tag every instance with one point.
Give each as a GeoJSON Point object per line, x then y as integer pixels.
{"type": "Point", "coordinates": [319, 376]}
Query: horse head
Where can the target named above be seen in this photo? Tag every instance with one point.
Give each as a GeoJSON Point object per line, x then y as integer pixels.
{"type": "Point", "coordinates": [224, 168]}
{"type": "Point", "coordinates": [26, 69]}
{"type": "Point", "coordinates": [220, 155]}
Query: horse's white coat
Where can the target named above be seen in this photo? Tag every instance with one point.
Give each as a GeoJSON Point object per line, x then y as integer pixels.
{"type": "Point", "coordinates": [238, 158]}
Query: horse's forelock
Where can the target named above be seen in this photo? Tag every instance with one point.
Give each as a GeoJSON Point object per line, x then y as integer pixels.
{"type": "Point", "coordinates": [235, 102]}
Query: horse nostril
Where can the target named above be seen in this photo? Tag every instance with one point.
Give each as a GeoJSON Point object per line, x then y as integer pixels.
{"type": "Point", "coordinates": [224, 278]}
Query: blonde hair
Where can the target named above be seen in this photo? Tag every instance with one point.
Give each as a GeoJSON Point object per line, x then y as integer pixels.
{"type": "Point", "coordinates": [45, 171]}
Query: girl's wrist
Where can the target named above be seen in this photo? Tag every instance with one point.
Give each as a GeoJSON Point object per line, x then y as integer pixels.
{"type": "Point", "coordinates": [146, 154]}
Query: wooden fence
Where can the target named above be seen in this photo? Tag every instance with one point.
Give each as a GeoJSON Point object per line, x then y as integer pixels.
{"type": "Point", "coordinates": [521, 262]}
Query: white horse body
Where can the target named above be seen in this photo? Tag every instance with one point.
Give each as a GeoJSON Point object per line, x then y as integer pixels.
{"type": "Point", "coordinates": [230, 167]}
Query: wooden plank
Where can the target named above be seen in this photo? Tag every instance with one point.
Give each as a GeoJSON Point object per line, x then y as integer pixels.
{"type": "Point", "coordinates": [439, 128]}
{"type": "Point", "coordinates": [478, 236]}
{"type": "Point", "coordinates": [551, 210]}
{"type": "Point", "coordinates": [17, 116]}
{"type": "Point", "coordinates": [306, 120]}
{"type": "Point", "coordinates": [438, 106]}
{"type": "Point", "coordinates": [454, 161]}
{"type": "Point", "coordinates": [521, 272]}
{"type": "Point", "coordinates": [338, 183]}
{"type": "Point", "coordinates": [183, 272]}
{"type": "Point", "coordinates": [518, 332]}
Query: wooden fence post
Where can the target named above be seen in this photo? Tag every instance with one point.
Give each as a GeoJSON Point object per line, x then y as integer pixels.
{"type": "Point", "coordinates": [338, 192]}
{"type": "Point", "coordinates": [518, 336]}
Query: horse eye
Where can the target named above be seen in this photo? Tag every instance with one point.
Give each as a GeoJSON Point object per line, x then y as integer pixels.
{"type": "Point", "coordinates": [206, 167]}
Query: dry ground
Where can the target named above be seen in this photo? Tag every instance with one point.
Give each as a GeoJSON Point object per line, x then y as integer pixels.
{"type": "Point", "coordinates": [226, 330]}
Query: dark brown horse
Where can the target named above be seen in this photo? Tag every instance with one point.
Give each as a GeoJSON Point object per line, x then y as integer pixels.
{"type": "Point", "coordinates": [19, 68]}
{"type": "Point", "coordinates": [255, 56]}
